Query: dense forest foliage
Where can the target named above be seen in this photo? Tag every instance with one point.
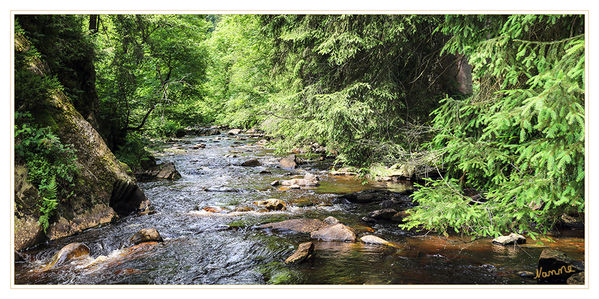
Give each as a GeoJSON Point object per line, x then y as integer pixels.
{"type": "Point", "coordinates": [494, 102]}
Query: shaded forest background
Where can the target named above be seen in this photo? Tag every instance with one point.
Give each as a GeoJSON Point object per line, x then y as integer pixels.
{"type": "Point", "coordinates": [495, 103]}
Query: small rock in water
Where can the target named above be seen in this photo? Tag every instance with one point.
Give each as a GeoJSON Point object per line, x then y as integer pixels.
{"type": "Point", "coordinates": [234, 131]}
{"type": "Point", "coordinates": [199, 146]}
{"type": "Point", "coordinates": [304, 251]}
{"type": "Point", "coordinates": [272, 204]}
{"type": "Point", "coordinates": [265, 172]}
{"type": "Point", "coordinates": [513, 238]}
{"type": "Point", "coordinates": [275, 183]}
{"type": "Point", "coordinates": [370, 239]}
{"type": "Point", "coordinates": [384, 214]}
{"type": "Point", "coordinates": [331, 220]}
{"type": "Point", "coordinates": [337, 232]}
{"type": "Point", "coordinates": [146, 235]}
{"type": "Point", "coordinates": [251, 163]}
{"type": "Point", "coordinates": [288, 162]}
{"type": "Point", "coordinates": [66, 254]}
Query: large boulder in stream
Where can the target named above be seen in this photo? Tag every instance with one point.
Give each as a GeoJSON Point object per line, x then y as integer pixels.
{"type": "Point", "coordinates": [336, 232]}
{"type": "Point", "coordinates": [301, 225]}
{"type": "Point", "coordinates": [555, 267]}
{"type": "Point", "coordinates": [146, 235]}
{"type": "Point", "coordinates": [103, 187]}
{"type": "Point", "coordinates": [67, 254]}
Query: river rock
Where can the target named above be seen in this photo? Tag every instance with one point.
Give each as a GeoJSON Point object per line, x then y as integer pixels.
{"type": "Point", "coordinates": [272, 204]}
{"type": "Point", "coordinates": [146, 235]}
{"type": "Point", "coordinates": [370, 239]}
{"type": "Point", "coordinates": [166, 171]}
{"type": "Point", "coordinates": [67, 254]}
{"type": "Point", "coordinates": [234, 131]}
{"type": "Point", "coordinates": [180, 132]}
{"type": "Point", "coordinates": [309, 180]}
{"type": "Point", "coordinates": [555, 267]}
{"type": "Point", "coordinates": [199, 146]}
{"type": "Point", "coordinates": [288, 162]}
{"type": "Point", "coordinates": [336, 232]}
{"type": "Point", "coordinates": [304, 251]}
{"type": "Point", "coordinates": [251, 163]}
{"type": "Point", "coordinates": [302, 225]}
{"type": "Point", "coordinates": [511, 239]}
{"type": "Point", "coordinates": [331, 220]}
{"type": "Point", "coordinates": [384, 214]}
{"type": "Point", "coordinates": [400, 216]}
{"type": "Point", "coordinates": [577, 278]}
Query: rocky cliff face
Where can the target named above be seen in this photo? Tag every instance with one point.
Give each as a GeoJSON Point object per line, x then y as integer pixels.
{"type": "Point", "coordinates": [104, 187]}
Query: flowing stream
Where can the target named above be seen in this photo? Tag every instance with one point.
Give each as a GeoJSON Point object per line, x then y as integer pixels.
{"type": "Point", "coordinates": [202, 248]}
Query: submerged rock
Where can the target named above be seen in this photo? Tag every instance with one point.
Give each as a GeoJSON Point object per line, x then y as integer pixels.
{"type": "Point", "coordinates": [304, 251]}
{"type": "Point", "coordinates": [67, 254]}
{"type": "Point", "coordinates": [146, 235]}
{"type": "Point", "coordinates": [555, 267]}
{"type": "Point", "coordinates": [511, 239]}
{"type": "Point", "coordinates": [302, 225]}
{"type": "Point", "coordinates": [370, 239]}
{"type": "Point", "coordinates": [199, 146]}
{"type": "Point", "coordinates": [336, 232]}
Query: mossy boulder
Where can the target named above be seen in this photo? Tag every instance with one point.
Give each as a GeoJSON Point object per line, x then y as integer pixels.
{"type": "Point", "coordinates": [102, 189]}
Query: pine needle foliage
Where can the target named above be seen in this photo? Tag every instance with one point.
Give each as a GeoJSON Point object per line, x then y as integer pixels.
{"type": "Point", "coordinates": [520, 138]}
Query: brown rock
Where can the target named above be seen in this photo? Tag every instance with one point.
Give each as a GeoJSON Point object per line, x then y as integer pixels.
{"type": "Point", "coordinates": [304, 251]}
{"type": "Point", "coordinates": [370, 239]}
{"type": "Point", "coordinates": [331, 220]}
{"type": "Point", "coordinates": [66, 254]}
{"type": "Point", "coordinates": [302, 225]}
{"type": "Point", "coordinates": [251, 163]}
{"type": "Point", "coordinates": [400, 216]}
{"type": "Point", "coordinates": [146, 235]}
{"type": "Point", "coordinates": [288, 162]}
{"type": "Point", "coordinates": [337, 232]}
{"type": "Point", "coordinates": [272, 204]}
{"type": "Point", "coordinates": [234, 131]}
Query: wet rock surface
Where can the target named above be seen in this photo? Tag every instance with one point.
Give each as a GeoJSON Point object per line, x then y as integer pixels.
{"type": "Point", "coordinates": [555, 267]}
{"type": "Point", "coordinates": [510, 239]}
{"type": "Point", "coordinates": [146, 235]}
{"type": "Point", "coordinates": [336, 232]}
{"type": "Point", "coordinates": [304, 251]}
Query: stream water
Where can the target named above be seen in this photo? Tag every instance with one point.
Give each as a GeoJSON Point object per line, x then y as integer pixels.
{"type": "Point", "coordinates": [221, 249]}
